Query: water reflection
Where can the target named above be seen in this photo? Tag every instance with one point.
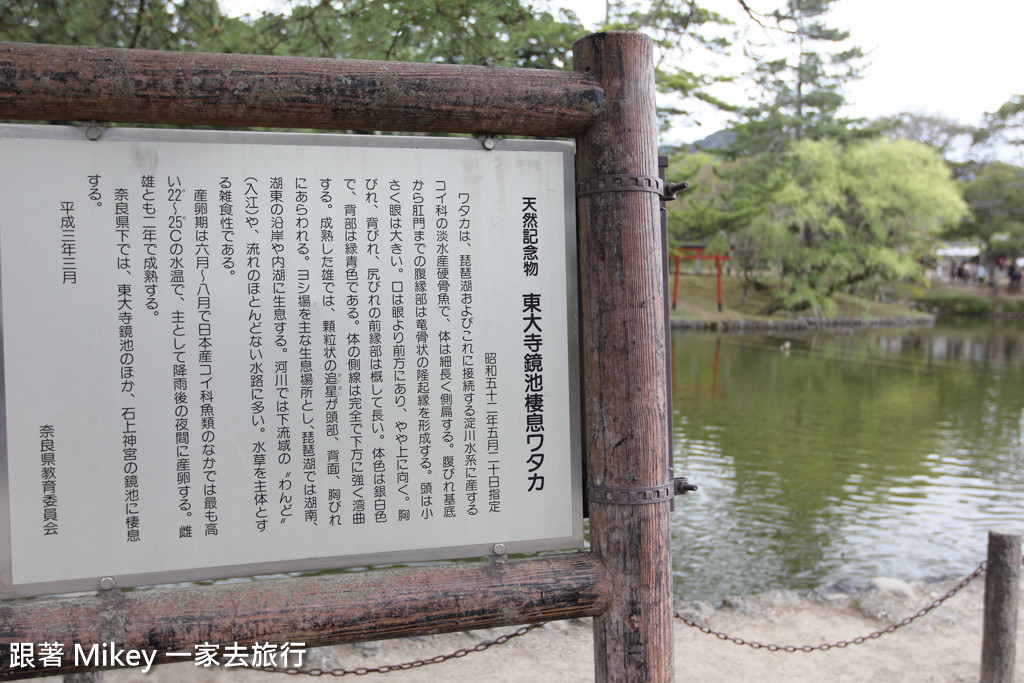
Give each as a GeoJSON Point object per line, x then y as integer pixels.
{"type": "Point", "coordinates": [852, 455]}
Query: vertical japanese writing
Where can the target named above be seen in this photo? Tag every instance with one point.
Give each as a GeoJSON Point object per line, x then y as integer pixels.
{"type": "Point", "coordinates": [150, 273]}
{"type": "Point", "coordinates": [423, 350]}
{"type": "Point", "coordinates": [68, 243]}
{"type": "Point", "coordinates": [126, 364]}
{"type": "Point", "coordinates": [531, 263]}
{"type": "Point", "coordinates": [129, 456]}
{"type": "Point", "coordinates": [179, 385]}
{"type": "Point", "coordinates": [257, 371]}
{"type": "Point", "coordinates": [375, 329]}
{"type": "Point", "coordinates": [175, 224]}
{"type": "Point", "coordinates": [48, 475]}
{"type": "Point", "coordinates": [345, 325]}
{"type": "Point", "coordinates": [444, 343]}
{"type": "Point", "coordinates": [226, 211]}
{"type": "Point", "coordinates": [533, 368]}
{"type": "Point", "coordinates": [204, 334]}
{"type": "Point", "coordinates": [282, 390]}
{"type": "Point", "coordinates": [179, 356]}
{"type": "Point", "coordinates": [493, 442]}
{"type": "Point", "coordinates": [396, 244]}
{"type": "Point", "coordinates": [310, 503]}
{"type": "Point", "coordinates": [355, 370]}
{"type": "Point", "coordinates": [469, 410]}
{"type": "Point", "coordinates": [122, 227]}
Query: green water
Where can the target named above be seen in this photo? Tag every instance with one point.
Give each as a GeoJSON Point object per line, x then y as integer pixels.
{"type": "Point", "coordinates": [856, 454]}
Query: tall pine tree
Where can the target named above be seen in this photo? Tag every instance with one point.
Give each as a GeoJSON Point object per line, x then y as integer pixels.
{"type": "Point", "coordinates": [800, 90]}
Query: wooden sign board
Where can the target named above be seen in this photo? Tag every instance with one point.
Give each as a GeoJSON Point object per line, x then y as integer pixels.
{"type": "Point", "coordinates": [229, 354]}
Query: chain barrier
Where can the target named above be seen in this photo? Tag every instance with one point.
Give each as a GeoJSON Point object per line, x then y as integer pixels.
{"type": "Point", "coordinates": [388, 668]}
{"type": "Point", "coordinates": [771, 647]}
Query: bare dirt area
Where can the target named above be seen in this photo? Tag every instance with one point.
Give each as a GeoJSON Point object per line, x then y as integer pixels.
{"type": "Point", "coordinates": [944, 645]}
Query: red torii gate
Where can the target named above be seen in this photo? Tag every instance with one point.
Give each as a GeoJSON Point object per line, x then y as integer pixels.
{"type": "Point", "coordinates": [695, 252]}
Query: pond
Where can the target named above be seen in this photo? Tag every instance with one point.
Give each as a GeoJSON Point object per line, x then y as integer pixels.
{"type": "Point", "coordinates": [844, 454]}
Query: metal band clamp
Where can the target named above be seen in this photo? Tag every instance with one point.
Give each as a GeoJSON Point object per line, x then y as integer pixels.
{"type": "Point", "coordinates": [629, 183]}
{"type": "Point", "coordinates": [638, 495]}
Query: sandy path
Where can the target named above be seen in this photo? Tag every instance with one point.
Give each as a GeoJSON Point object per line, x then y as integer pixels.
{"type": "Point", "coordinates": [943, 646]}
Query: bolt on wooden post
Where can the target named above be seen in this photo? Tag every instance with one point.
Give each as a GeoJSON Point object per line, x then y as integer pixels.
{"type": "Point", "coordinates": [624, 386]}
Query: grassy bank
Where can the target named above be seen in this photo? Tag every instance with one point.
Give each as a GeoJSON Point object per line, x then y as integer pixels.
{"type": "Point", "coordinates": [696, 302]}
{"type": "Point", "coordinates": [971, 300]}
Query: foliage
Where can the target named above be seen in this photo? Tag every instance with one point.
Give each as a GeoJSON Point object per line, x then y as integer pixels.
{"type": "Point", "coordinates": [856, 217]}
{"type": "Point", "coordinates": [679, 29]}
{"type": "Point", "coordinates": [1006, 124]}
{"type": "Point", "coordinates": [725, 198]}
{"type": "Point", "coordinates": [995, 195]}
{"type": "Point", "coordinates": [823, 218]}
{"type": "Point", "coordinates": [492, 32]}
{"type": "Point", "coordinates": [941, 133]}
{"type": "Point", "coordinates": [800, 91]}
{"type": "Point", "coordinates": [154, 24]}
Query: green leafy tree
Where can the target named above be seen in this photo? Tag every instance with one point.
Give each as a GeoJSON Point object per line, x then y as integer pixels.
{"type": "Point", "coordinates": [855, 218]}
{"type": "Point", "coordinates": [493, 32]}
{"type": "Point", "coordinates": [1004, 125]}
{"type": "Point", "coordinates": [995, 196]}
{"type": "Point", "coordinates": [723, 202]}
{"type": "Point", "coordinates": [153, 24]}
{"type": "Point", "coordinates": [490, 32]}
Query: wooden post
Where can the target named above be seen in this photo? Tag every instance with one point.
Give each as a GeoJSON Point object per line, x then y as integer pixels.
{"type": "Point", "coordinates": [718, 276]}
{"type": "Point", "coordinates": [1002, 591]}
{"type": "Point", "coordinates": [675, 283]}
{"type": "Point", "coordinates": [623, 329]}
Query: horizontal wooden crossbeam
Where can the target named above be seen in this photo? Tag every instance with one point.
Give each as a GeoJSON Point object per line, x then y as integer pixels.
{"type": "Point", "coordinates": [71, 83]}
{"type": "Point", "coordinates": [320, 610]}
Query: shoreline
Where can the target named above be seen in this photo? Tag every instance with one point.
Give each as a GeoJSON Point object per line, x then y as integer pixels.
{"type": "Point", "coordinates": [799, 323]}
{"type": "Point", "coordinates": [944, 645]}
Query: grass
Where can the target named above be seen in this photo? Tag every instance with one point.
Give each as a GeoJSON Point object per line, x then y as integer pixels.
{"type": "Point", "coordinates": [976, 300]}
{"type": "Point", "coordinates": [697, 299]}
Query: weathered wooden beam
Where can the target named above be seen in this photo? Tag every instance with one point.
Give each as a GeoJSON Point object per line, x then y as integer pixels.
{"type": "Point", "coordinates": [65, 83]}
{"type": "Point", "coordinates": [623, 327]}
{"type": "Point", "coordinates": [321, 610]}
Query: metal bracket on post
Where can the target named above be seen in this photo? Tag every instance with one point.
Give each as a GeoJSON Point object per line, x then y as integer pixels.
{"type": "Point", "coordinates": [638, 495]}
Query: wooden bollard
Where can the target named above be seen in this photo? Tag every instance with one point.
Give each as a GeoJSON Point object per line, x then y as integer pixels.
{"type": "Point", "coordinates": [1002, 591]}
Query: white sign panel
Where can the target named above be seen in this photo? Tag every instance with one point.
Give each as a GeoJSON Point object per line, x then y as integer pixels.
{"type": "Point", "coordinates": [227, 354]}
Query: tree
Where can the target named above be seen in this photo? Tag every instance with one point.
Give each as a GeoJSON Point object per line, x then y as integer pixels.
{"type": "Point", "coordinates": [154, 24]}
{"type": "Point", "coordinates": [679, 28]}
{"type": "Point", "coordinates": [941, 133]}
{"type": "Point", "coordinates": [724, 200]}
{"type": "Point", "coordinates": [996, 200]}
{"type": "Point", "coordinates": [855, 218]}
{"type": "Point", "coordinates": [490, 32]}
{"type": "Point", "coordinates": [800, 92]}
{"type": "Point", "coordinates": [493, 32]}
{"type": "Point", "coordinates": [1005, 124]}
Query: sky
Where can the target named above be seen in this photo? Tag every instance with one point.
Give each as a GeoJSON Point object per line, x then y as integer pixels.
{"type": "Point", "coordinates": [943, 57]}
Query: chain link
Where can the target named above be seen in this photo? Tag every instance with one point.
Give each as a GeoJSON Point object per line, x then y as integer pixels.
{"type": "Point", "coordinates": [771, 647]}
{"type": "Point", "coordinates": [388, 668]}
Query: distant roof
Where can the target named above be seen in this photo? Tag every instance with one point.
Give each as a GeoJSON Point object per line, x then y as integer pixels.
{"type": "Point", "coordinates": [958, 250]}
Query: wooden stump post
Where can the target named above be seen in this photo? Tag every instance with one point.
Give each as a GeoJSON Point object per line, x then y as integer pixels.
{"type": "Point", "coordinates": [624, 387]}
{"type": "Point", "coordinates": [1002, 591]}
